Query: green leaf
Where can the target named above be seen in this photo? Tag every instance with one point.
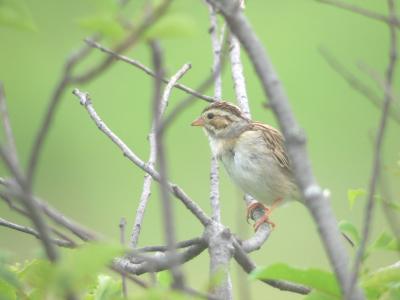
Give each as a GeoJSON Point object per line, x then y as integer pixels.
{"type": "Point", "coordinates": [383, 241]}
{"type": "Point", "coordinates": [353, 194]}
{"type": "Point", "coordinates": [16, 14]}
{"type": "Point", "coordinates": [106, 288]}
{"type": "Point", "coordinates": [164, 278]}
{"type": "Point", "coordinates": [37, 273]}
{"type": "Point", "coordinates": [393, 205]}
{"type": "Point", "coordinates": [7, 291]}
{"type": "Point", "coordinates": [382, 280]}
{"type": "Point", "coordinates": [7, 274]}
{"type": "Point", "coordinates": [176, 25]}
{"type": "Point", "coordinates": [350, 230]}
{"type": "Point", "coordinates": [314, 278]}
{"type": "Point", "coordinates": [106, 24]}
{"type": "Point", "coordinates": [317, 295]}
{"type": "Point", "coordinates": [80, 266]}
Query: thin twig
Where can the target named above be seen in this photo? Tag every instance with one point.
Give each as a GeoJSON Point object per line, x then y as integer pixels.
{"type": "Point", "coordinates": [122, 226]}
{"type": "Point", "coordinates": [150, 19]}
{"type": "Point", "coordinates": [356, 83]}
{"type": "Point", "coordinates": [369, 208]}
{"type": "Point", "coordinates": [362, 11]}
{"type": "Point", "coordinates": [129, 154]}
{"type": "Point", "coordinates": [33, 232]}
{"type": "Point", "coordinates": [146, 190]}
{"type": "Point", "coordinates": [181, 244]}
{"type": "Point", "coordinates": [239, 82]}
{"type": "Point", "coordinates": [10, 141]}
{"type": "Point", "coordinates": [219, 247]}
{"type": "Point", "coordinates": [30, 205]}
{"type": "Point", "coordinates": [148, 71]}
{"type": "Point", "coordinates": [75, 228]}
{"type": "Point", "coordinates": [159, 104]}
{"type": "Point", "coordinates": [216, 43]}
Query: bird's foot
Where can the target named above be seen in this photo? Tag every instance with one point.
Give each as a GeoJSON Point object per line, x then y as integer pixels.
{"type": "Point", "coordinates": [263, 219]}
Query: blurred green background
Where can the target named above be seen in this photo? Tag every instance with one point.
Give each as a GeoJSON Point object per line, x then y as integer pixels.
{"type": "Point", "coordinates": [84, 175]}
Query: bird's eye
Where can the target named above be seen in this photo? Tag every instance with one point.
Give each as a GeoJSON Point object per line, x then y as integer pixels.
{"type": "Point", "coordinates": [210, 115]}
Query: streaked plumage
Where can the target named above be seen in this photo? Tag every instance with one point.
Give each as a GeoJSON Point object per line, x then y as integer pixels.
{"type": "Point", "coordinates": [252, 153]}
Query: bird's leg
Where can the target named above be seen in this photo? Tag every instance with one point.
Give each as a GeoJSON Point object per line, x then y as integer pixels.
{"type": "Point", "coordinates": [267, 212]}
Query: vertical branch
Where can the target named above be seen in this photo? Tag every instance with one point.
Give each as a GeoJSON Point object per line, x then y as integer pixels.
{"type": "Point", "coordinates": [122, 226]}
{"type": "Point", "coordinates": [146, 190]}
{"type": "Point", "coordinates": [218, 239]}
{"type": "Point", "coordinates": [239, 81]}
{"type": "Point", "coordinates": [216, 43]}
{"type": "Point", "coordinates": [10, 142]}
{"type": "Point", "coordinates": [162, 164]}
{"type": "Point", "coordinates": [369, 208]}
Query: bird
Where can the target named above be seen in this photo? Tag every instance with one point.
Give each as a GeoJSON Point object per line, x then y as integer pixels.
{"type": "Point", "coordinates": [253, 154]}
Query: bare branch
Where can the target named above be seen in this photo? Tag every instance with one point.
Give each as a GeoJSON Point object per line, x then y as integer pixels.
{"type": "Point", "coordinates": [31, 231]}
{"type": "Point", "coordinates": [362, 11]}
{"type": "Point", "coordinates": [239, 82]}
{"type": "Point", "coordinates": [150, 19]}
{"type": "Point", "coordinates": [316, 201]}
{"type": "Point", "coordinates": [122, 226]}
{"type": "Point", "coordinates": [159, 104]}
{"type": "Point", "coordinates": [146, 191]}
{"type": "Point", "coordinates": [248, 266]}
{"type": "Point", "coordinates": [148, 71]}
{"type": "Point", "coordinates": [30, 205]}
{"type": "Point", "coordinates": [357, 84]}
{"type": "Point", "coordinates": [369, 208]}
{"type": "Point", "coordinates": [220, 249]}
{"type": "Point", "coordinates": [216, 42]}
{"type": "Point", "coordinates": [182, 244]}
{"type": "Point", "coordinates": [10, 141]}
{"type": "Point", "coordinates": [173, 188]}
{"type": "Point", "coordinates": [51, 110]}
{"type": "Point", "coordinates": [77, 229]}
{"type": "Point", "coordinates": [159, 262]}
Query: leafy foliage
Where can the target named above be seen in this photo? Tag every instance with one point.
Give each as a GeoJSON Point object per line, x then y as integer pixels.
{"type": "Point", "coordinates": [317, 279]}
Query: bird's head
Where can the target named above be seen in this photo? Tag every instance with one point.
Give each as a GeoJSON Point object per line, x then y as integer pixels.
{"type": "Point", "coordinates": [222, 120]}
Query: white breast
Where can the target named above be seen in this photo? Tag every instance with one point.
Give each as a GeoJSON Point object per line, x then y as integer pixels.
{"type": "Point", "coordinates": [254, 169]}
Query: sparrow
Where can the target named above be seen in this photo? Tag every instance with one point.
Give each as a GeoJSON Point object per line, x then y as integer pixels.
{"type": "Point", "coordinates": [252, 153]}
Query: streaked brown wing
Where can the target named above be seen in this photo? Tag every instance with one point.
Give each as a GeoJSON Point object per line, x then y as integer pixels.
{"type": "Point", "coordinates": [275, 141]}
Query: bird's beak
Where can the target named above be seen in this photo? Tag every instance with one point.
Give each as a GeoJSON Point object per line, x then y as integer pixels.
{"type": "Point", "coordinates": [198, 122]}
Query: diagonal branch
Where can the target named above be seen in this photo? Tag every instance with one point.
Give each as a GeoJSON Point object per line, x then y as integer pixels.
{"type": "Point", "coordinates": [150, 19]}
{"type": "Point", "coordinates": [33, 232]}
{"type": "Point", "coordinates": [357, 84]}
{"type": "Point", "coordinates": [173, 188]}
{"type": "Point", "coordinates": [362, 11]}
{"type": "Point", "coordinates": [148, 71]}
{"type": "Point", "coordinates": [369, 208]}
